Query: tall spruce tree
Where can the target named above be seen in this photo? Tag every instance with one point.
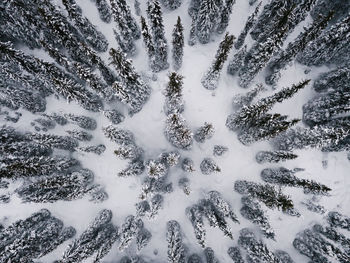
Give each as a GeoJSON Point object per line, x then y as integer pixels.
{"type": "Point", "coordinates": [148, 42]}
{"type": "Point", "coordinates": [104, 10]}
{"type": "Point", "coordinates": [178, 44]}
{"type": "Point", "coordinates": [225, 15]}
{"type": "Point", "coordinates": [211, 77]}
{"type": "Point", "coordinates": [131, 90]}
{"type": "Point", "coordinates": [155, 17]}
{"type": "Point", "coordinates": [171, 4]}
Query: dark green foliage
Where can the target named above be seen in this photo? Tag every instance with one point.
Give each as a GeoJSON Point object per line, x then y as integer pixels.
{"type": "Point", "coordinates": [283, 256]}
{"type": "Point", "coordinates": [225, 15]}
{"type": "Point", "coordinates": [187, 165]}
{"type": "Point", "coordinates": [252, 211]}
{"type": "Point", "coordinates": [134, 168]}
{"type": "Point", "coordinates": [274, 157]}
{"type": "Point", "coordinates": [82, 121]}
{"type": "Point", "coordinates": [119, 136]}
{"type": "Point", "coordinates": [148, 43]}
{"type": "Point", "coordinates": [176, 250]}
{"type": "Point", "coordinates": [265, 193]}
{"type": "Point", "coordinates": [54, 141]}
{"type": "Point", "coordinates": [114, 116]}
{"type": "Point", "coordinates": [194, 258]}
{"type": "Point", "coordinates": [98, 237]}
{"type": "Point", "coordinates": [129, 151]}
{"type": "Point", "coordinates": [211, 78]}
{"type": "Point", "coordinates": [80, 135]}
{"type": "Point", "coordinates": [313, 207]}
{"type": "Point", "coordinates": [62, 187]}
{"type": "Point", "coordinates": [142, 239]}
{"type": "Point", "coordinates": [178, 44]}
{"type": "Point", "coordinates": [131, 89]}
{"type": "Point", "coordinates": [33, 237]}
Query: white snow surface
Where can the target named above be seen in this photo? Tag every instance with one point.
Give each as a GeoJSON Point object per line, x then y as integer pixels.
{"type": "Point", "coordinates": [201, 106]}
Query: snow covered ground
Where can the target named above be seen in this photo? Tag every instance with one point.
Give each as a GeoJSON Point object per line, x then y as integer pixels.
{"type": "Point", "coordinates": [201, 106]}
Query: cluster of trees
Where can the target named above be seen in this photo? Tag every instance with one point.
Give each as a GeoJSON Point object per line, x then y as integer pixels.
{"type": "Point", "coordinates": [33, 237]}
{"type": "Point", "coordinates": [176, 130]}
{"type": "Point", "coordinates": [208, 17]}
{"type": "Point", "coordinates": [252, 121]}
{"type": "Point", "coordinates": [215, 209]}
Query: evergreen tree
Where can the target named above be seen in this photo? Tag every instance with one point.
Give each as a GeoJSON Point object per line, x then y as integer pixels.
{"type": "Point", "coordinates": [131, 90]}
{"type": "Point", "coordinates": [98, 237]}
{"type": "Point", "coordinates": [283, 256]}
{"type": "Point", "coordinates": [266, 194]}
{"type": "Point", "coordinates": [337, 80]}
{"type": "Point", "coordinates": [252, 211]}
{"type": "Point", "coordinates": [208, 17]}
{"type": "Point", "coordinates": [209, 255]}
{"type": "Point", "coordinates": [336, 219]}
{"type": "Point", "coordinates": [92, 36]}
{"type": "Point", "coordinates": [313, 207]}
{"type": "Point", "coordinates": [333, 235]}
{"type": "Point", "coordinates": [54, 141]}
{"type": "Point", "coordinates": [256, 250]}
{"type": "Point", "coordinates": [274, 156]}
{"type": "Point", "coordinates": [80, 135]}
{"type": "Point", "coordinates": [121, 10]}
{"type": "Point", "coordinates": [82, 121]}
{"type": "Point", "coordinates": [173, 94]}
{"type": "Point", "coordinates": [225, 15]}
{"type": "Point", "coordinates": [178, 44]}
{"type": "Point", "coordinates": [62, 187]}
{"type": "Point", "coordinates": [125, 42]}
{"type": "Point", "coordinates": [316, 137]}
{"type": "Point", "coordinates": [154, 14]}
{"type": "Point", "coordinates": [187, 165]}
{"type": "Point", "coordinates": [171, 4]}
{"type": "Point", "coordinates": [177, 132]}
{"type": "Point", "coordinates": [129, 231]}
{"type": "Point", "coordinates": [143, 238]}
{"type": "Point", "coordinates": [331, 47]}
{"type": "Point", "coordinates": [219, 150]}
{"type": "Point", "coordinates": [266, 127]}
{"type": "Point", "coordinates": [237, 61]}
{"type": "Point", "coordinates": [235, 254]}
{"type": "Point", "coordinates": [283, 176]}
{"type": "Point", "coordinates": [195, 215]}
{"type": "Point", "coordinates": [104, 10]}
{"type": "Point", "coordinates": [208, 166]}
{"type": "Point", "coordinates": [119, 136]}
{"type": "Point", "coordinates": [203, 133]}
{"type": "Point", "coordinates": [192, 40]}
{"type": "Point", "coordinates": [98, 149]}
{"type": "Point", "coordinates": [324, 108]}
{"type": "Point", "coordinates": [148, 42]}
{"type": "Point", "coordinates": [221, 205]}
{"type": "Point", "coordinates": [135, 168]}
{"type": "Point", "coordinates": [286, 56]}
{"type": "Point", "coordinates": [211, 78]}
{"type": "Point", "coordinates": [248, 25]}
{"type": "Point", "coordinates": [156, 169]}
{"type": "Point", "coordinates": [34, 237]}
{"type": "Point", "coordinates": [341, 9]}
{"type": "Point", "coordinates": [250, 114]}
{"type": "Point", "coordinates": [176, 250]}
{"type": "Point", "coordinates": [156, 204]}
{"type": "Point", "coordinates": [312, 245]}
{"type": "Point", "coordinates": [129, 151]}
{"type": "Point", "coordinates": [194, 258]}
{"type": "Point", "coordinates": [184, 184]}
{"type": "Point", "coordinates": [114, 116]}
{"type": "Point", "coordinates": [18, 167]}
